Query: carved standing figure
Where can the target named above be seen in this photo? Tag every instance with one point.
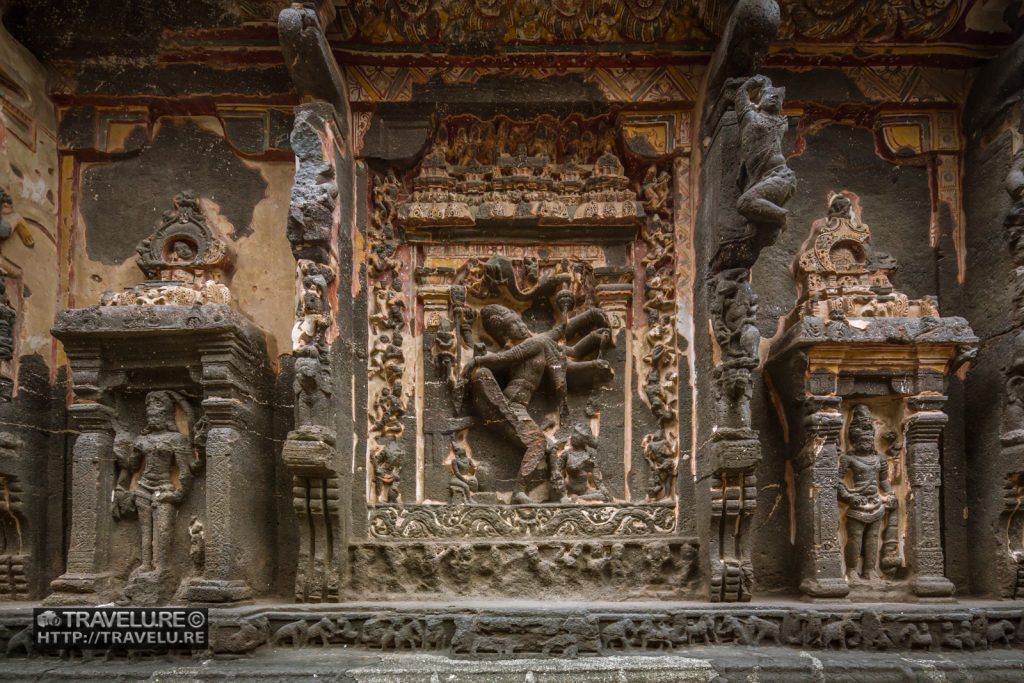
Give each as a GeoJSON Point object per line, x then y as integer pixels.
{"type": "Point", "coordinates": [159, 448]}
{"type": "Point", "coordinates": [867, 500]}
{"type": "Point", "coordinates": [312, 398]}
{"type": "Point", "coordinates": [766, 180]}
{"type": "Point", "coordinates": [530, 359]}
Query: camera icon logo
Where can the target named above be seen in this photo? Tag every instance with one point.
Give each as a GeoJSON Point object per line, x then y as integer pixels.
{"type": "Point", "coordinates": [48, 618]}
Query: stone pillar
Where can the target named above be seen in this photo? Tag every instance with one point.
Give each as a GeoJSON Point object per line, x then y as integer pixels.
{"type": "Point", "coordinates": [613, 292]}
{"type": "Point", "coordinates": [87, 576]}
{"type": "Point", "coordinates": [223, 579]}
{"type": "Point", "coordinates": [434, 294]}
{"type": "Point", "coordinates": [924, 474]}
{"type": "Point", "coordinates": [816, 470]}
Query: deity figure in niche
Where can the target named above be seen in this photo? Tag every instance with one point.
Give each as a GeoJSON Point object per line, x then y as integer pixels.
{"type": "Point", "coordinates": [868, 498]}
{"type": "Point", "coordinates": [160, 447]}
{"type": "Point", "coordinates": [528, 360]}
{"type": "Point", "coordinates": [766, 180]}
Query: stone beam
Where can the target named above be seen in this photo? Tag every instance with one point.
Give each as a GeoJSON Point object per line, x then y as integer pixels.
{"type": "Point", "coordinates": [308, 56]}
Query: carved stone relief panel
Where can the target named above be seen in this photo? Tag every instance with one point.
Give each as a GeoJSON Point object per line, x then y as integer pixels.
{"type": "Point", "coordinates": [523, 350]}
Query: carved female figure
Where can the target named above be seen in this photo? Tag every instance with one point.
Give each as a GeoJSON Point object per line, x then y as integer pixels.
{"type": "Point", "coordinates": [159, 448]}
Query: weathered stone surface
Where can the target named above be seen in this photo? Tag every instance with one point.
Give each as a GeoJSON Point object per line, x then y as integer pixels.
{"type": "Point", "coordinates": [475, 308]}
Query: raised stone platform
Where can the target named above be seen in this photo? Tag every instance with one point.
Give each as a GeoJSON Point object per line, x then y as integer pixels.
{"type": "Point", "coordinates": [702, 664]}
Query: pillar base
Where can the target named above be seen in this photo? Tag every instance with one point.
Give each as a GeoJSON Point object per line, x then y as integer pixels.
{"type": "Point", "coordinates": [825, 589]}
{"type": "Point", "coordinates": [199, 590]}
{"type": "Point", "coordinates": [81, 589]}
{"type": "Point", "coordinates": [932, 588]}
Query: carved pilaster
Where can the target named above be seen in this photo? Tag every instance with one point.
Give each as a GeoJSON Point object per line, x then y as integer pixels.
{"type": "Point", "coordinates": [92, 479]}
{"type": "Point", "coordinates": [817, 507]}
{"type": "Point", "coordinates": [924, 428]}
{"type": "Point", "coordinates": [226, 454]}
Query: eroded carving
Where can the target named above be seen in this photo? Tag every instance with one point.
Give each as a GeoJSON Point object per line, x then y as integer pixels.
{"type": "Point", "coordinates": [159, 447]}
{"type": "Point", "coordinates": [185, 261]}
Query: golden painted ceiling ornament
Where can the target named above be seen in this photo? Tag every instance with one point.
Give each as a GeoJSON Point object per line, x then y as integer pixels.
{"type": "Point", "coordinates": [483, 22]}
{"type": "Point", "coordinates": [869, 20]}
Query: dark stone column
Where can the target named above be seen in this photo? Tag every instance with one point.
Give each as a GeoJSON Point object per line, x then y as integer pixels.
{"type": "Point", "coordinates": [92, 481]}
{"type": "Point", "coordinates": [816, 470]}
{"type": "Point", "coordinates": [924, 474]}
{"type": "Point", "coordinates": [227, 456]}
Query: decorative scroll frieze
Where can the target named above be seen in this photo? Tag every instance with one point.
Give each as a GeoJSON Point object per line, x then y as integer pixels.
{"type": "Point", "coordinates": [513, 521]}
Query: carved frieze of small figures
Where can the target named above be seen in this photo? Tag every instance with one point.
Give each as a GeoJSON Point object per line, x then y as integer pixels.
{"type": "Point", "coordinates": [483, 171]}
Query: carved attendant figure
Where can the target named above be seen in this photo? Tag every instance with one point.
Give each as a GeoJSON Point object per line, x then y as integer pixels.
{"type": "Point", "coordinates": [582, 477]}
{"type": "Point", "coordinates": [767, 181]}
{"type": "Point", "coordinates": [867, 500]}
{"type": "Point", "coordinates": [158, 448]}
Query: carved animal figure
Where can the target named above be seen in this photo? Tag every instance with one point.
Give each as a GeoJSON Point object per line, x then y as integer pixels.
{"type": "Point", "coordinates": [1001, 631]}
{"type": "Point", "coordinates": [650, 634]}
{"type": "Point", "coordinates": [22, 640]}
{"type": "Point", "coordinates": [434, 634]}
{"type": "Point", "coordinates": [297, 633]}
{"type": "Point", "coordinates": [622, 632]}
{"type": "Point", "coordinates": [751, 630]}
{"type": "Point", "coordinates": [838, 632]}
{"type": "Point", "coordinates": [566, 643]}
{"type": "Point", "coordinates": [251, 634]}
{"type": "Point", "coordinates": [962, 639]}
{"type": "Point", "coordinates": [738, 629]}
{"type": "Point", "coordinates": [703, 629]}
{"type": "Point", "coordinates": [410, 633]}
{"type": "Point", "coordinates": [379, 632]}
{"type": "Point", "coordinates": [912, 636]}
{"type": "Point", "coordinates": [325, 629]}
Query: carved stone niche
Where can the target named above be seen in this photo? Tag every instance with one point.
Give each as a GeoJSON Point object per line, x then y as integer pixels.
{"type": "Point", "coordinates": [169, 407]}
{"type": "Point", "coordinates": [861, 373]}
{"type": "Point", "coordinates": [524, 428]}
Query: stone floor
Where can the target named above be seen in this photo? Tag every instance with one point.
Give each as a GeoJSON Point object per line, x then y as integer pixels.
{"type": "Point", "coordinates": [720, 664]}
